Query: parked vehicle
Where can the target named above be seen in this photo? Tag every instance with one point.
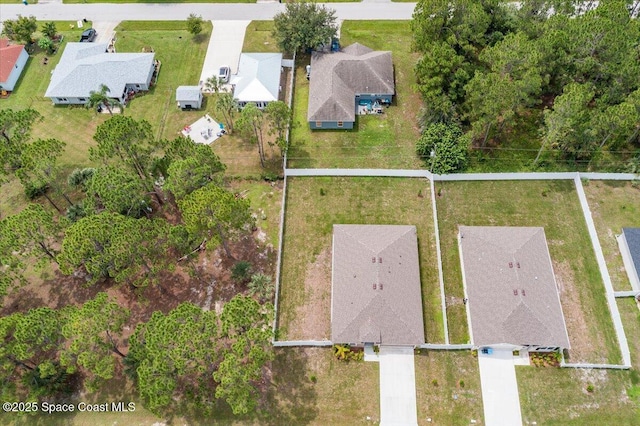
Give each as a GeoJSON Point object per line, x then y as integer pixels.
{"type": "Point", "coordinates": [88, 36]}
{"type": "Point", "coordinates": [223, 74]}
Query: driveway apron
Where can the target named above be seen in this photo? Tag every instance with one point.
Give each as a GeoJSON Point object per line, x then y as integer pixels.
{"type": "Point", "coordinates": [499, 389]}
{"type": "Point", "coordinates": [397, 386]}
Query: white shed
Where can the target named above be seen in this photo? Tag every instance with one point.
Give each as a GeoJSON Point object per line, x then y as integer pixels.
{"type": "Point", "coordinates": [189, 97]}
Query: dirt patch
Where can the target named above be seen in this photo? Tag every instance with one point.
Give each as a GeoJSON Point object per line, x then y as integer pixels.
{"type": "Point", "coordinates": [312, 319]}
{"type": "Point", "coordinates": [582, 349]}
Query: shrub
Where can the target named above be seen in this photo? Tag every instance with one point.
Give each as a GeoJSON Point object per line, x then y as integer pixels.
{"type": "Point", "coordinates": [443, 148]}
{"type": "Point", "coordinates": [461, 383]}
{"type": "Point", "coordinates": [434, 382]}
{"type": "Point", "coordinates": [313, 378]}
{"type": "Point", "coordinates": [261, 286]}
{"type": "Point", "coordinates": [241, 271]}
{"type": "Point", "coordinates": [590, 388]}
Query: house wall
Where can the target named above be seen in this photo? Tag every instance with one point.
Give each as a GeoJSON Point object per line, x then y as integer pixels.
{"type": "Point", "coordinates": [260, 104]}
{"type": "Point", "coordinates": [627, 260]}
{"type": "Point", "coordinates": [330, 125]}
{"type": "Point", "coordinates": [190, 104]}
{"type": "Point", "coordinates": [15, 72]}
{"type": "Point", "coordinates": [69, 101]}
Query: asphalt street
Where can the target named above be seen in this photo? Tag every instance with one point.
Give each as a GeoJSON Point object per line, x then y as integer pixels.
{"type": "Point", "coordinates": [208, 11]}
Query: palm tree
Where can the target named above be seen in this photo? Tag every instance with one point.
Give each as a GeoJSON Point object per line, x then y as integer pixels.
{"type": "Point", "coordinates": [100, 98]}
{"type": "Point", "coordinates": [213, 84]}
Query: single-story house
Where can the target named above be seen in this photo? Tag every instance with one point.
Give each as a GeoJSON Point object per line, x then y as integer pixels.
{"type": "Point", "coordinates": [375, 286]}
{"type": "Point", "coordinates": [13, 58]}
{"type": "Point", "coordinates": [258, 79]}
{"type": "Point", "coordinates": [84, 67]}
{"type": "Point", "coordinates": [347, 82]}
{"type": "Point", "coordinates": [629, 243]}
{"type": "Point", "coordinates": [189, 97]}
{"type": "Point", "coordinates": [511, 294]}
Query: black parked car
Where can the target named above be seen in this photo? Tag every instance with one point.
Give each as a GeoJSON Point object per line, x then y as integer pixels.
{"type": "Point", "coordinates": [88, 36]}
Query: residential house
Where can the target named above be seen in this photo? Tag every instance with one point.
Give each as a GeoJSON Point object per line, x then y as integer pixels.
{"type": "Point", "coordinates": [375, 286]}
{"type": "Point", "coordinates": [511, 294]}
{"type": "Point", "coordinates": [349, 82]}
{"type": "Point", "coordinates": [85, 67]}
{"type": "Point", "coordinates": [258, 79]}
{"type": "Point", "coordinates": [189, 97]}
{"type": "Point", "coordinates": [629, 243]}
{"type": "Point", "coordinates": [13, 58]}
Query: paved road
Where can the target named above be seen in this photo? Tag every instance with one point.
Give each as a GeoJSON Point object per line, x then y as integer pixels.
{"type": "Point", "coordinates": [499, 389]}
{"type": "Point", "coordinates": [397, 386]}
{"type": "Point", "coordinates": [208, 11]}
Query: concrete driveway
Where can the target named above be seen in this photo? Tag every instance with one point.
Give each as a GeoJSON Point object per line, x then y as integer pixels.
{"type": "Point", "coordinates": [224, 48]}
{"type": "Point", "coordinates": [105, 30]}
{"type": "Point", "coordinates": [397, 386]}
{"type": "Point", "coordinates": [499, 389]}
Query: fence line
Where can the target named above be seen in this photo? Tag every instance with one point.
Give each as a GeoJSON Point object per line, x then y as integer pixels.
{"type": "Point", "coordinates": [597, 366]}
{"type": "Point", "coordinates": [443, 300]}
{"type": "Point", "coordinates": [630, 293]}
{"type": "Point", "coordinates": [359, 172]}
{"type": "Point", "coordinates": [604, 272]}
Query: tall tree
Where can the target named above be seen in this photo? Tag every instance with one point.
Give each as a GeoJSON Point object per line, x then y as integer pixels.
{"type": "Point", "coordinates": [187, 175]}
{"type": "Point", "coordinates": [116, 190]}
{"type": "Point", "coordinates": [228, 107]}
{"type": "Point", "coordinates": [124, 141]}
{"type": "Point", "coordinates": [215, 214]}
{"type": "Point", "coordinates": [21, 29]}
{"type": "Point", "coordinates": [303, 25]}
{"type": "Point", "coordinates": [15, 131]}
{"type": "Point", "coordinates": [92, 332]}
{"type": "Point", "coordinates": [279, 117]}
{"type": "Point", "coordinates": [443, 148]}
{"type": "Point", "coordinates": [111, 245]}
{"type": "Point", "coordinates": [49, 29]}
{"type": "Point", "coordinates": [29, 354]}
{"type": "Point", "coordinates": [100, 97]}
{"type": "Point", "coordinates": [246, 324]}
{"type": "Point", "coordinates": [174, 356]}
{"type": "Point", "coordinates": [39, 167]}
{"type": "Point", "coordinates": [251, 124]}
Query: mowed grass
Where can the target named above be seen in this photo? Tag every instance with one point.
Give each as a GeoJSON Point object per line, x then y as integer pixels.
{"type": "Point", "coordinates": [309, 221]}
{"type": "Point", "coordinates": [378, 141]}
{"type": "Point", "coordinates": [614, 205]}
{"type": "Point", "coordinates": [258, 38]}
{"type": "Point", "coordinates": [553, 205]}
{"type": "Point", "coordinates": [448, 387]}
{"type": "Point", "coordinates": [265, 199]}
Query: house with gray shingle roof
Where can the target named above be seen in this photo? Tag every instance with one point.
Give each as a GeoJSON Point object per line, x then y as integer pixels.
{"type": "Point", "coordinates": [511, 294]}
{"type": "Point", "coordinates": [342, 83]}
{"type": "Point", "coordinates": [375, 286]}
{"type": "Point", "coordinates": [189, 97]}
{"type": "Point", "coordinates": [629, 244]}
{"type": "Point", "coordinates": [84, 67]}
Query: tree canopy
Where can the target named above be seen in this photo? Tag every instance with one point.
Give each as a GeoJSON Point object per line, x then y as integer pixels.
{"type": "Point", "coordinates": [21, 29]}
{"type": "Point", "coordinates": [303, 26]}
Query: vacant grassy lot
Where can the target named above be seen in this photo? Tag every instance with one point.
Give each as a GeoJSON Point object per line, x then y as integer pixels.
{"type": "Point", "coordinates": [313, 206]}
{"type": "Point", "coordinates": [614, 205]}
{"type": "Point", "coordinates": [385, 141]}
{"type": "Point", "coordinates": [554, 206]}
{"type": "Point", "coordinates": [265, 199]}
{"type": "Point", "coordinates": [448, 388]}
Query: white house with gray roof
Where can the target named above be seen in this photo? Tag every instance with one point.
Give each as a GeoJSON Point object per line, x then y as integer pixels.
{"type": "Point", "coordinates": [258, 79]}
{"type": "Point", "coordinates": [375, 286]}
{"type": "Point", "coordinates": [85, 67]}
{"type": "Point", "coordinates": [511, 294]}
{"type": "Point", "coordinates": [629, 244]}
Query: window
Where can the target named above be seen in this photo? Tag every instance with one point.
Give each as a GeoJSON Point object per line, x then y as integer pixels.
{"type": "Point", "coordinates": [318, 123]}
{"type": "Point", "coordinates": [340, 123]}
{"type": "Point", "coordinates": [82, 99]}
{"type": "Point", "coordinates": [62, 99]}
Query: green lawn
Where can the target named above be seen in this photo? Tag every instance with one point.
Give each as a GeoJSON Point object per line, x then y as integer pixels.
{"type": "Point", "coordinates": [305, 286]}
{"type": "Point", "coordinates": [554, 206]}
{"type": "Point", "coordinates": [614, 205]}
{"type": "Point", "coordinates": [448, 388]}
{"type": "Point", "coordinates": [386, 141]}
{"type": "Point", "coordinates": [265, 199]}
{"type": "Point", "coordinates": [258, 37]}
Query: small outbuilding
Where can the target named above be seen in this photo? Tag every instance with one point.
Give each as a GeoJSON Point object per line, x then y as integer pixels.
{"type": "Point", "coordinates": [511, 294]}
{"type": "Point", "coordinates": [13, 58]}
{"type": "Point", "coordinates": [189, 97]}
{"type": "Point", "coordinates": [375, 286]}
{"type": "Point", "coordinates": [629, 243]}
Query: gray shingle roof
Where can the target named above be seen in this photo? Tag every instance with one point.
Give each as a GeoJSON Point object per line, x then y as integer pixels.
{"type": "Point", "coordinates": [83, 67]}
{"type": "Point", "coordinates": [632, 237]}
{"type": "Point", "coordinates": [512, 293]}
{"type": "Point", "coordinates": [258, 78]}
{"type": "Point", "coordinates": [336, 78]}
{"type": "Point", "coordinates": [188, 93]}
{"type": "Point", "coordinates": [385, 256]}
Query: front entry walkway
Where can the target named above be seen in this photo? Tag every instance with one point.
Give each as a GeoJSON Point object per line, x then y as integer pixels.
{"type": "Point", "coordinates": [397, 386]}
{"type": "Point", "coordinates": [499, 388]}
